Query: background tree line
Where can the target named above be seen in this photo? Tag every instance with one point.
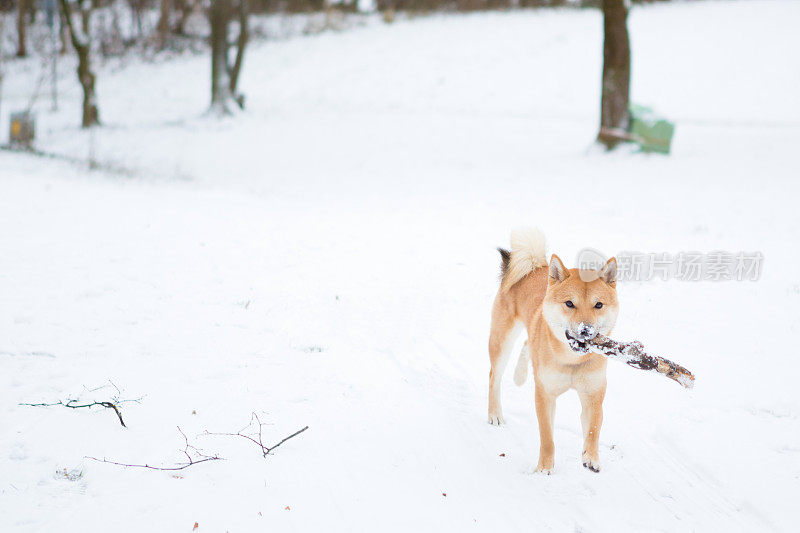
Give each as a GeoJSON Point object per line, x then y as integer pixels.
{"type": "Point", "coordinates": [113, 27]}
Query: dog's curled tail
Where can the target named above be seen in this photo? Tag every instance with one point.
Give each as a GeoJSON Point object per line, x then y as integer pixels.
{"type": "Point", "coordinates": [526, 255]}
{"type": "Point", "coordinates": [521, 372]}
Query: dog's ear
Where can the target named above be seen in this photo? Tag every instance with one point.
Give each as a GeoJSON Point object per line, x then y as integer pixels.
{"type": "Point", "coordinates": [609, 272]}
{"type": "Point", "coordinates": [558, 272]}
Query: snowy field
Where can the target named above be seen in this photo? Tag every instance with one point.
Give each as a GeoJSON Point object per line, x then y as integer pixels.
{"type": "Point", "coordinates": [327, 259]}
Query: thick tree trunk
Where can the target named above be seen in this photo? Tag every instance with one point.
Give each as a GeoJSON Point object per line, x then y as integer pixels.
{"type": "Point", "coordinates": [63, 28]}
{"type": "Point", "coordinates": [241, 43]}
{"type": "Point", "coordinates": [220, 16]}
{"type": "Point", "coordinates": [184, 9]}
{"type": "Point", "coordinates": [164, 27]}
{"type": "Point", "coordinates": [82, 45]}
{"type": "Point", "coordinates": [614, 116]}
{"type": "Point", "coordinates": [224, 76]}
{"type": "Point", "coordinates": [23, 8]}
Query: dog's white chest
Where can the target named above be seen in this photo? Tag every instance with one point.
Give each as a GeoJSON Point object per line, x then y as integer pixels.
{"type": "Point", "coordinates": [553, 379]}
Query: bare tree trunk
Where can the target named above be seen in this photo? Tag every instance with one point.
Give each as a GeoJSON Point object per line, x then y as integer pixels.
{"type": "Point", "coordinates": [220, 15]}
{"type": "Point", "coordinates": [63, 30]}
{"type": "Point", "coordinates": [136, 8]}
{"type": "Point", "coordinates": [2, 27]}
{"type": "Point", "coordinates": [241, 43]}
{"type": "Point", "coordinates": [23, 8]}
{"type": "Point", "coordinates": [82, 45]}
{"type": "Point", "coordinates": [86, 12]}
{"type": "Point", "coordinates": [224, 76]}
{"type": "Point", "coordinates": [184, 9]}
{"type": "Point", "coordinates": [164, 27]}
{"type": "Point", "coordinates": [614, 116]}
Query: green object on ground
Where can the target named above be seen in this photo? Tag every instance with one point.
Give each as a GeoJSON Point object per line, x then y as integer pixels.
{"type": "Point", "coordinates": [650, 131]}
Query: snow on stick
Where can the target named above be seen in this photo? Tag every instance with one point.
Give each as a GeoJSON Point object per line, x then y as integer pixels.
{"type": "Point", "coordinates": [633, 354]}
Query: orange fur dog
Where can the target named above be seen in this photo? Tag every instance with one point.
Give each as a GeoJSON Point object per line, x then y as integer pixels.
{"type": "Point", "coordinates": [552, 304]}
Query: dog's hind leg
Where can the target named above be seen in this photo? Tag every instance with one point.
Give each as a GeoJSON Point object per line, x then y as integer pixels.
{"type": "Point", "coordinates": [505, 329]}
{"type": "Point", "coordinates": [521, 372]}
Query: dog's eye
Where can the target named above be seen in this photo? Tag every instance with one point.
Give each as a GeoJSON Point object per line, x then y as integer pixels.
{"type": "Point", "coordinates": [569, 304]}
{"type": "Point", "coordinates": [598, 305]}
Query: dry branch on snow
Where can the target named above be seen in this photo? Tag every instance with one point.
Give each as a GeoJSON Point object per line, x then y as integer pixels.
{"type": "Point", "coordinates": [195, 455]}
{"type": "Point", "coordinates": [75, 403]}
{"type": "Point", "coordinates": [265, 450]}
{"type": "Point", "coordinates": [188, 450]}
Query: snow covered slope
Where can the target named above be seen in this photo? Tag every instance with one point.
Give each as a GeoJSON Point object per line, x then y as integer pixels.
{"type": "Point", "coordinates": [327, 259]}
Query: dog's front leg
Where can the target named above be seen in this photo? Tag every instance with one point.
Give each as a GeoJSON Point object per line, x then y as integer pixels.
{"type": "Point", "coordinates": [545, 412]}
{"type": "Point", "coordinates": [591, 420]}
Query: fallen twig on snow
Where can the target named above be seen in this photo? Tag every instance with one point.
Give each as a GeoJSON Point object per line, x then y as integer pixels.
{"type": "Point", "coordinates": [72, 403]}
{"type": "Point", "coordinates": [196, 456]}
{"type": "Point", "coordinates": [202, 458]}
{"type": "Point", "coordinates": [265, 450]}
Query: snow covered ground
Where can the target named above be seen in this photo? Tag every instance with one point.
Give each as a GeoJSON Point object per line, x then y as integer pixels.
{"type": "Point", "coordinates": [327, 259]}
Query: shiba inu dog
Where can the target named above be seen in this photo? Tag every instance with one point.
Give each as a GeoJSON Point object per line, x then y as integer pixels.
{"type": "Point", "coordinates": [552, 304]}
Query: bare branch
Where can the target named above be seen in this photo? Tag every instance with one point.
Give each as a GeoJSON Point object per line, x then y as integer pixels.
{"type": "Point", "coordinates": [181, 467]}
{"type": "Point", "coordinates": [633, 354]}
{"type": "Point", "coordinates": [287, 438]}
{"type": "Point", "coordinates": [115, 387]}
{"type": "Point", "coordinates": [200, 458]}
{"type": "Point", "coordinates": [195, 455]}
{"type": "Point", "coordinates": [258, 441]}
{"type": "Point", "coordinates": [72, 403]}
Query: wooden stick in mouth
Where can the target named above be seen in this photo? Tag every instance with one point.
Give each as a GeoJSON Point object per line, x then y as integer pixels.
{"type": "Point", "coordinates": [633, 354]}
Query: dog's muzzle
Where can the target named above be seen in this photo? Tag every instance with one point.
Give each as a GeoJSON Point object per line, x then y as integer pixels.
{"type": "Point", "coordinates": [578, 338]}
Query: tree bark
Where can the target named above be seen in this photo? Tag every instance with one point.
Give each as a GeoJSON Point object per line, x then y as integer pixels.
{"type": "Point", "coordinates": [614, 115]}
{"type": "Point", "coordinates": [241, 43]}
{"type": "Point", "coordinates": [184, 9]}
{"type": "Point", "coordinates": [63, 30]}
{"type": "Point", "coordinates": [220, 15]}
{"type": "Point", "coordinates": [633, 354]}
{"type": "Point", "coordinates": [23, 8]}
{"type": "Point", "coordinates": [82, 45]}
{"type": "Point", "coordinates": [224, 76]}
{"type": "Point", "coordinates": [136, 9]}
{"type": "Point", "coordinates": [164, 27]}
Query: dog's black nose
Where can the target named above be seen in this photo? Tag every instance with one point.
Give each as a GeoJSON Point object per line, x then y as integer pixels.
{"type": "Point", "coordinates": [585, 332]}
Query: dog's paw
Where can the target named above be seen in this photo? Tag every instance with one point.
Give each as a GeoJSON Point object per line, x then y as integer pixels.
{"type": "Point", "coordinates": [590, 463]}
{"type": "Point", "coordinates": [545, 465]}
{"type": "Point", "coordinates": [496, 419]}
